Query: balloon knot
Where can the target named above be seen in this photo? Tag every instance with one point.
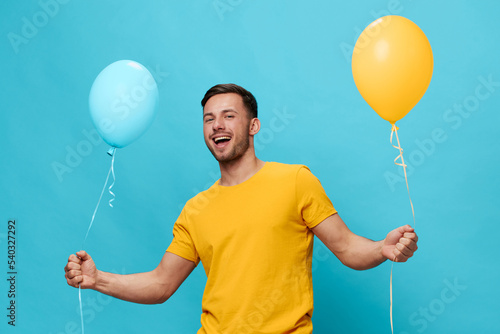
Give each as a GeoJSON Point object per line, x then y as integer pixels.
{"type": "Point", "coordinates": [111, 151]}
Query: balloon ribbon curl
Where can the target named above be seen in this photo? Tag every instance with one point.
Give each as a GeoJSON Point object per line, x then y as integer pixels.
{"type": "Point", "coordinates": [402, 164]}
{"type": "Point", "coordinates": [395, 131]}
{"type": "Point", "coordinates": [111, 152]}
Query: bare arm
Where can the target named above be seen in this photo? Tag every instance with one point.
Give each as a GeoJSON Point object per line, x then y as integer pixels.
{"type": "Point", "coordinates": [360, 253]}
{"type": "Point", "coordinates": [151, 287]}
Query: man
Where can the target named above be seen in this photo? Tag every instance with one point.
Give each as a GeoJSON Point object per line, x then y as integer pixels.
{"type": "Point", "coordinates": [253, 231]}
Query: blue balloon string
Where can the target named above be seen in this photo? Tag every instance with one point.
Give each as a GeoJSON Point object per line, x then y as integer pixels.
{"type": "Point", "coordinates": [81, 310]}
{"type": "Point", "coordinates": [112, 184]}
{"type": "Point", "coordinates": [111, 171]}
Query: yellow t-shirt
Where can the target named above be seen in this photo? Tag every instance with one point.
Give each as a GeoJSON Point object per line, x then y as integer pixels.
{"type": "Point", "coordinates": [255, 244]}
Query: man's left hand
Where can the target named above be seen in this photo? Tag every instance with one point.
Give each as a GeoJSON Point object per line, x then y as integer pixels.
{"type": "Point", "coordinates": [400, 244]}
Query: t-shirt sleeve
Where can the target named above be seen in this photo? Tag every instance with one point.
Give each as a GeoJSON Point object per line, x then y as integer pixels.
{"type": "Point", "coordinates": [313, 203]}
{"type": "Point", "coordinates": [182, 244]}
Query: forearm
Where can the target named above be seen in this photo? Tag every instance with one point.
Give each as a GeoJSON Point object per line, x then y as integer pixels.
{"type": "Point", "coordinates": [142, 288]}
{"type": "Point", "coordinates": [361, 253]}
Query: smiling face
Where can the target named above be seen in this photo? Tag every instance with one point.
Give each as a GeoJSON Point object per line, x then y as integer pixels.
{"type": "Point", "coordinates": [227, 127]}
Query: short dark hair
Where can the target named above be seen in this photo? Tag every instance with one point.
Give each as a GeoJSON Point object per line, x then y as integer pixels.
{"type": "Point", "coordinates": [248, 99]}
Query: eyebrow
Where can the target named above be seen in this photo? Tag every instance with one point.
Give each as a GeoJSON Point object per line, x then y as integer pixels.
{"type": "Point", "coordinates": [225, 111]}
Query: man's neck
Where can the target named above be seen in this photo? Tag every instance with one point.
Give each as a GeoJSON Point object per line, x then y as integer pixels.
{"type": "Point", "coordinates": [240, 170]}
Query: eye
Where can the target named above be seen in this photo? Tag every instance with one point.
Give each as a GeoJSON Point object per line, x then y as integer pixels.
{"type": "Point", "coordinates": [229, 116]}
{"type": "Point", "coordinates": [208, 119]}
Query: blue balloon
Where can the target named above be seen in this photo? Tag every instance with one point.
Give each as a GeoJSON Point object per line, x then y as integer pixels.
{"type": "Point", "coordinates": [123, 102]}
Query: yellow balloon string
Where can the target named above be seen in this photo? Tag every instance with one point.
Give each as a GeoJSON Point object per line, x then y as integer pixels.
{"type": "Point", "coordinates": [390, 293]}
{"type": "Point", "coordinates": [395, 131]}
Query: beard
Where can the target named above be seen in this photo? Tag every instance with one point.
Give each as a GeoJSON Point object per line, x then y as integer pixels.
{"type": "Point", "coordinates": [235, 153]}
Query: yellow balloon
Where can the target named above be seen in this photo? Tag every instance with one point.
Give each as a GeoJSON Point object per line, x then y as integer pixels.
{"type": "Point", "coordinates": [392, 66]}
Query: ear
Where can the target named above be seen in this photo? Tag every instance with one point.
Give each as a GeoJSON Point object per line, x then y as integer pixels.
{"type": "Point", "coordinates": [254, 126]}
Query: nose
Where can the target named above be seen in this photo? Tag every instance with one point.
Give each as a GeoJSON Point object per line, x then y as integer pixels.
{"type": "Point", "coordinates": [218, 123]}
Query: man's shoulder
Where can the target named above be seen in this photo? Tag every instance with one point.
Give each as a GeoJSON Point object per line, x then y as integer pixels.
{"type": "Point", "coordinates": [203, 196]}
{"type": "Point", "coordinates": [285, 168]}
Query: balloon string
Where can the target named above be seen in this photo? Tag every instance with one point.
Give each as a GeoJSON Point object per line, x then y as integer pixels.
{"type": "Point", "coordinates": [395, 130]}
{"type": "Point", "coordinates": [81, 309]}
{"type": "Point", "coordinates": [114, 179]}
{"type": "Point", "coordinates": [390, 294]}
{"type": "Point", "coordinates": [111, 171]}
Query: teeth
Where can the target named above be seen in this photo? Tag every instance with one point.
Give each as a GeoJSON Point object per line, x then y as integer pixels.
{"type": "Point", "coordinates": [218, 139]}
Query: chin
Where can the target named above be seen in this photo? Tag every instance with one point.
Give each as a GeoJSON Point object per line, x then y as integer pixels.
{"type": "Point", "coordinates": [226, 158]}
{"type": "Point", "coordinates": [231, 154]}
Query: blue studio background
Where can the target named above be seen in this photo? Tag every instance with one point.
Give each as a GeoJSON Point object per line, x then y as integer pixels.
{"type": "Point", "coordinates": [295, 57]}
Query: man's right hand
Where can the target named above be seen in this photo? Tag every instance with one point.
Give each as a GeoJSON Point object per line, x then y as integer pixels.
{"type": "Point", "coordinates": [152, 287]}
{"type": "Point", "coordinates": [81, 270]}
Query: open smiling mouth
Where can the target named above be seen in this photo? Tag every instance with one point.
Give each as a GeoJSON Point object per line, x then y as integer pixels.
{"type": "Point", "coordinates": [221, 141]}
